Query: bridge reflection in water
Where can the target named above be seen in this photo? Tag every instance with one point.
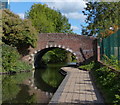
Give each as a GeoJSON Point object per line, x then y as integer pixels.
{"type": "Point", "coordinates": [36, 87]}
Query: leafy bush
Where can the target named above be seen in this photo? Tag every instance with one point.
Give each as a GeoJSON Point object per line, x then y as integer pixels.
{"type": "Point", "coordinates": [112, 61]}
{"type": "Point", "coordinates": [11, 60]}
{"type": "Point", "coordinates": [18, 32]}
{"type": "Point", "coordinates": [23, 66]}
{"type": "Point", "coordinates": [88, 66]}
{"type": "Point", "coordinates": [107, 80]}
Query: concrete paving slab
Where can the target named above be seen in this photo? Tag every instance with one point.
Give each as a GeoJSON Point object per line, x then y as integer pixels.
{"type": "Point", "coordinates": [77, 87]}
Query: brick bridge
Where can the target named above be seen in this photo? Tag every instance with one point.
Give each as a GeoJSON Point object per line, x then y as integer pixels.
{"type": "Point", "coordinates": [83, 47]}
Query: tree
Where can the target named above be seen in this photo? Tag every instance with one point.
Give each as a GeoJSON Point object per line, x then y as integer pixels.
{"type": "Point", "coordinates": [102, 18]}
{"type": "Point", "coordinates": [18, 32]}
{"type": "Point", "coordinates": [47, 20]}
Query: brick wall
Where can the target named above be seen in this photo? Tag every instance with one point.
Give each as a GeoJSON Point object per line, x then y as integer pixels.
{"type": "Point", "coordinates": [83, 47]}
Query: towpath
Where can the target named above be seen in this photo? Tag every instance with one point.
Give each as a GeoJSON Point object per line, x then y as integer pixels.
{"type": "Point", "coordinates": [77, 88]}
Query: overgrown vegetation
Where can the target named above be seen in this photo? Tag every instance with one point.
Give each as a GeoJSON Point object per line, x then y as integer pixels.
{"type": "Point", "coordinates": [55, 56]}
{"type": "Point", "coordinates": [107, 80]}
{"type": "Point", "coordinates": [87, 66]}
{"type": "Point", "coordinates": [58, 55]}
{"type": "Point", "coordinates": [11, 60]}
{"type": "Point", "coordinates": [18, 32]}
{"type": "Point", "coordinates": [112, 61]}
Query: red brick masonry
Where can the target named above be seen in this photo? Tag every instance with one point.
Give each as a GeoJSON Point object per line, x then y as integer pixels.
{"type": "Point", "coordinates": [83, 47]}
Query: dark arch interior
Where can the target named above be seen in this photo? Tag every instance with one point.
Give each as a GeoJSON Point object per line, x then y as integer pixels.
{"type": "Point", "coordinates": [39, 55]}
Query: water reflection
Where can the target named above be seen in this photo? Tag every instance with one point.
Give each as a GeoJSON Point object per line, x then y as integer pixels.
{"type": "Point", "coordinates": [31, 88]}
{"type": "Point", "coordinates": [48, 79]}
{"type": "Point", "coordinates": [13, 87]}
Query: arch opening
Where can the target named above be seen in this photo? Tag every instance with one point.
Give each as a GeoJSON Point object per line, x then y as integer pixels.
{"type": "Point", "coordinates": [38, 57]}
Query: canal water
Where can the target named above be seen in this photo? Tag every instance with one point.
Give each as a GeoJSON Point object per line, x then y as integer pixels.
{"type": "Point", "coordinates": [32, 87]}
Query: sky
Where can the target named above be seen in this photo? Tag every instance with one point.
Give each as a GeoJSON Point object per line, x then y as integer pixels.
{"type": "Point", "coordinates": [72, 9]}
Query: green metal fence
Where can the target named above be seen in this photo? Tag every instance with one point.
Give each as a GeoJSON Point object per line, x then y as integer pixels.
{"type": "Point", "coordinates": [110, 46]}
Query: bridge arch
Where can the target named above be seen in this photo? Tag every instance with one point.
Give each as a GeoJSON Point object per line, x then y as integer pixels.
{"type": "Point", "coordinates": [83, 47]}
{"type": "Point", "coordinates": [37, 55]}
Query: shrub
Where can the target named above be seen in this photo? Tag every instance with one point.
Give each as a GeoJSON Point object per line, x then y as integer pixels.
{"type": "Point", "coordinates": [107, 80]}
{"type": "Point", "coordinates": [18, 32]}
{"type": "Point", "coordinates": [109, 83]}
{"type": "Point", "coordinates": [11, 60]}
{"type": "Point", "coordinates": [112, 61]}
{"type": "Point", "coordinates": [88, 66]}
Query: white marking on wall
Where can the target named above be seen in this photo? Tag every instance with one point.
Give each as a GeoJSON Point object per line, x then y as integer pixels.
{"type": "Point", "coordinates": [55, 45]}
{"type": "Point", "coordinates": [33, 62]}
{"type": "Point", "coordinates": [31, 55]}
{"type": "Point", "coordinates": [59, 46]}
{"type": "Point", "coordinates": [46, 46]}
{"type": "Point", "coordinates": [67, 49]}
{"type": "Point", "coordinates": [29, 58]}
{"type": "Point", "coordinates": [33, 66]}
{"type": "Point", "coordinates": [77, 58]}
{"type": "Point", "coordinates": [74, 54]}
{"type": "Point", "coordinates": [51, 45]}
{"type": "Point", "coordinates": [70, 50]}
{"type": "Point", "coordinates": [35, 52]}
{"type": "Point", "coordinates": [35, 88]}
{"type": "Point", "coordinates": [63, 47]}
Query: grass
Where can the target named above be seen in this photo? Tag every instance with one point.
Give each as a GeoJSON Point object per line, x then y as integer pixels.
{"type": "Point", "coordinates": [112, 62]}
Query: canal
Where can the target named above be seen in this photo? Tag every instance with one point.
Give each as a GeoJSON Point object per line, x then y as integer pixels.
{"type": "Point", "coordinates": [32, 87]}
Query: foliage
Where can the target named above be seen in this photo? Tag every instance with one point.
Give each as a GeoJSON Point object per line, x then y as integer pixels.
{"type": "Point", "coordinates": [109, 83]}
{"type": "Point", "coordinates": [11, 60]}
{"type": "Point", "coordinates": [101, 16]}
{"type": "Point", "coordinates": [31, 99]}
{"type": "Point", "coordinates": [87, 66]}
{"type": "Point", "coordinates": [112, 61]}
{"type": "Point", "coordinates": [55, 56]}
{"type": "Point", "coordinates": [17, 32]}
{"type": "Point", "coordinates": [10, 87]}
{"type": "Point", "coordinates": [107, 80]}
{"type": "Point", "coordinates": [58, 55]}
{"type": "Point", "coordinates": [47, 20]}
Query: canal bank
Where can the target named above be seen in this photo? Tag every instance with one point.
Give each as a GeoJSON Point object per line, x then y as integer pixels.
{"type": "Point", "coordinates": [14, 72]}
{"type": "Point", "coordinates": [76, 88]}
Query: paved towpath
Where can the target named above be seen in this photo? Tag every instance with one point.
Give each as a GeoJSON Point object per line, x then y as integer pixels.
{"type": "Point", "coordinates": [76, 88]}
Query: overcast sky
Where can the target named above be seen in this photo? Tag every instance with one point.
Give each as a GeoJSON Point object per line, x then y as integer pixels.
{"type": "Point", "coordinates": [72, 9]}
